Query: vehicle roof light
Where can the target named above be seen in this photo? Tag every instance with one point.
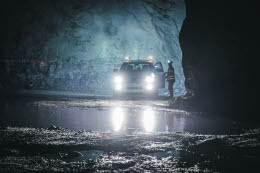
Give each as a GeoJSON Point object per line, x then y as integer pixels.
{"type": "Point", "coordinates": [127, 58]}
{"type": "Point", "coordinates": [150, 58]}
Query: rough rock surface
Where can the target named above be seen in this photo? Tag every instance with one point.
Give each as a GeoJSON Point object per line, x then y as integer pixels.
{"type": "Point", "coordinates": [42, 150]}
{"type": "Point", "coordinates": [219, 56]}
{"type": "Point", "coordinates": [75, 45]}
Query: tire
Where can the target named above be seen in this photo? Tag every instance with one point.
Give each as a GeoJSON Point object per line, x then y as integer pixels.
{"type": "Point", "coordinates": [154, 94]}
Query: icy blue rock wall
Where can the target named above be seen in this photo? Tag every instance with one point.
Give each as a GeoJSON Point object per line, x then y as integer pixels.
{"type": "Point", "coordinates": [88, 39]}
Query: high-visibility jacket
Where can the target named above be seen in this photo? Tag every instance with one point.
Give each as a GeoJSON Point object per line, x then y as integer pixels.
{"type": "Point", "coordinates": [170, 74]}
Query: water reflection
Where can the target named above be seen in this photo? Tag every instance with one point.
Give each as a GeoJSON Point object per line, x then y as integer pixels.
{"type": "Point", "coordinates": [175, 123]}
{"type": "Point", "coordinates": [148, 120]}
{"type": "Point", "coordinates": [117, 118]}
{"type": "Point", "coordinates": [169, 123]}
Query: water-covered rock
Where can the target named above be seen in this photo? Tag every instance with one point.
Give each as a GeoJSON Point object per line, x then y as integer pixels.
{"type": "Point", "coordinates": [182, 102]}
{"type": "Point", "coordinates": [52, 127]}
{"type": "Point", "coordinates": [73, 154]}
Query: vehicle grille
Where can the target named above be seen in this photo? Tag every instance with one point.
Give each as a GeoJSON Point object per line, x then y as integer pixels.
{"type": "Point", "coordinates": [133, 88]}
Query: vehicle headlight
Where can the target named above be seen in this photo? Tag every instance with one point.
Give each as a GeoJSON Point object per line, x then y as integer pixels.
{"type": "Point", "coordinates": [118, 87]}
{"type": "Point", "coordinates": [149, 79]}
{"type": "Point", "coordinates": [149, 87]}
{"type": "Point", "coordinates": [118, 79]}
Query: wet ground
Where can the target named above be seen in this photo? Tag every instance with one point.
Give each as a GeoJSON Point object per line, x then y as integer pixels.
{"type": "Point", "coordinates": [100, 134]}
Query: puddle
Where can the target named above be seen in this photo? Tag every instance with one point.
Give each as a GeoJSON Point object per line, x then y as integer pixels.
{"type": "Point", "coordinates": [75, 156]}
{"type": "Point", "coordinates": [86, 155]}
{"type": "Point", "coordinates": [117, 119]}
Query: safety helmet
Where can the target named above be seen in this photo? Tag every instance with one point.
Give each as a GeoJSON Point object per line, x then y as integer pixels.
{"type": "Point", "coordinates": [169, 62]}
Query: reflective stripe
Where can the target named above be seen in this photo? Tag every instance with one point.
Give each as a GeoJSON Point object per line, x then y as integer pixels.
{"type": "Point", "coordinates": [170, 74]}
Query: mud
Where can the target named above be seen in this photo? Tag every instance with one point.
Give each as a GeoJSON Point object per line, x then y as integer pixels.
{"type": "Point", "coordinates": [43, 150]}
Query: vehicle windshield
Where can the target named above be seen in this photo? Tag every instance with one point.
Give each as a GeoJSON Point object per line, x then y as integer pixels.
{"type": "Point", "coordinates": [136, 67]}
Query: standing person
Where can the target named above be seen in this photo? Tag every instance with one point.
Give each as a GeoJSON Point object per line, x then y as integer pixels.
{"type": "Point", "coordinates": [170, 78]}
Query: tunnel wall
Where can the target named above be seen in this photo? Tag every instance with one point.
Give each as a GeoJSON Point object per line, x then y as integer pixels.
{"type": "Point", "coordinates": [75, 45]}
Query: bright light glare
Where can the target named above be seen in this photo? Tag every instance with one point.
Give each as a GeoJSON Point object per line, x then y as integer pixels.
{"type": "Point", "coordinates": [148, 120]}
{"type": "Point", "coordinates": [118, 79]}
{"type": "Point", "coordinates": [117, 119]}
{"type": "Point", "coordinates": [149, 87]}
{"type": "Point", "coordinates": [118, 87]}
{"type": "Point", "coordinates": [149, 79]}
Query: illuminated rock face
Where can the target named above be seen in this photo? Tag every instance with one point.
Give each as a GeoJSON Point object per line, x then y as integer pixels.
{"type": "Point", "coordinates": [88, 39]}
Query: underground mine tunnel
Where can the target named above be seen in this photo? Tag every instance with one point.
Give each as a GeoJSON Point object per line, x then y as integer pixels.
{"type": "Point", "coordinates": [82, 41]}
{"type": "Point", "coordinates": [62, 61]}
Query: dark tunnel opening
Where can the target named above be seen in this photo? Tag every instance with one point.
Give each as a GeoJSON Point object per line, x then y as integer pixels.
{"type": "Point", "coordinates": [220, 49]}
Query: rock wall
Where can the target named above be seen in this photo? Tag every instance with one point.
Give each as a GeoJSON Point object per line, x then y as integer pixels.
{"type": "Point", "coordinates": [220, 50]}
{"type": "Point", "coordinates": [75, 45]}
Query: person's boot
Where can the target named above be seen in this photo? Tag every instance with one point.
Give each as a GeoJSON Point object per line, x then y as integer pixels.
{"type": "Point", "coordinates": [171, 100]}
{"type": "Point", "coordinates": [171, 94]}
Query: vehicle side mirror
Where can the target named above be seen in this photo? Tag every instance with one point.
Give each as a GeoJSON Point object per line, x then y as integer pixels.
{"type": "Point", "coordinates": [115, 70]}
